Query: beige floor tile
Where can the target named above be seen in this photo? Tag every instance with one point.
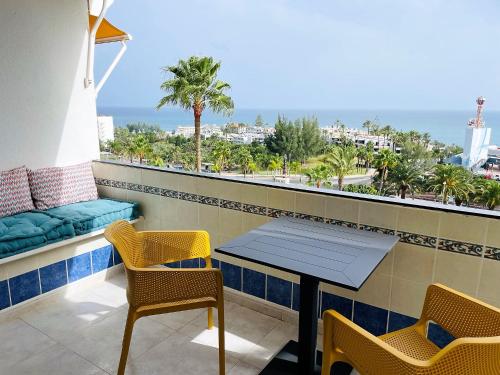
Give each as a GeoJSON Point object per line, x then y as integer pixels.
{"type": "Point", "coordinates": [101, 343]}
{"type": "Point", "coordinates": [179, 355]}
{"type": "Point", "coordinates": [178, 320]}
{"type": "Point", "coordinates": [243, 368]}
{"type": "Point", "coordinates": [19, 341]}
{"type": "Point", "coordinates": [56, 360]}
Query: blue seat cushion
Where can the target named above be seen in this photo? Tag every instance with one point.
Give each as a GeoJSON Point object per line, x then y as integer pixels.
{"type": "Point", "coordinates": [94, 215]}
{"type": "Point", "coordinates": [29, 230]}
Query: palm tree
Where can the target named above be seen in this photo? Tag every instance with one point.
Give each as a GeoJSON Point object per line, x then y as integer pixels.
{"type": "Point", "coordinates": [142, 148]}
{"type": "Point", "coordinates": [342, 160]}
{"type": "Point", "coordinates": [275, 163]}
{"type": "Point", "coordinates": [319, 175]}
{"type": "Point", "coordinates": [361, 153]}
{"type": "Point", "coordinates": [489, 194]}
{"type": "Point", "coordinates": [386, 131]}
{"type": "Point", "coordinates": [384, 160]}
{"type": "Point", "coordinates": [451, 180]}
{"type": "Point", "coordinates": [221, 155]}
{"type": "Point", "coordinates": [405, 177]}
{"type": "Point", "coordinates": [244, 158]}
{"type": "Point", "coordinates": [195, 87]}
{"type": "Point", "coordinates": [368, 125]}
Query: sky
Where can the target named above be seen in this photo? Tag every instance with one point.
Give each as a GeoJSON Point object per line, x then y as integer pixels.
{"type": "Point", "coordinates": [322, 54]}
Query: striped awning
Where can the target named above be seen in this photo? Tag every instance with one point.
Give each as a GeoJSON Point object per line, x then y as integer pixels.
{"type": "Point", "coordinates": [107, 32]}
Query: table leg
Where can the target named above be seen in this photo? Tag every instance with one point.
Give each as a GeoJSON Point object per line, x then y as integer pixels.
{"type": "Point", "coordinates": [308, 324]}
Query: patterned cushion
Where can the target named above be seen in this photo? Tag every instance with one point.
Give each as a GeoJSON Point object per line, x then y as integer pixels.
{"type": "Point", "coordinates": [15, 193]}
{"type": "Point", "coordinates": [57, 186]}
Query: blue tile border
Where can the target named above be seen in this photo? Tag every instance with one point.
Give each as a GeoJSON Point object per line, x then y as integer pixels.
{"type": "Point", "coordinates": [24, 286]}
{"type": "Point", "coordinates": [102, 258]}
{"type": "Point", "coordinates": [279, 291]}
{"type": "Point", "coordinates": [406, 237]}
{"type": "Point", "coordinates": [254, 283]}
{"type": "Point", "coordinates": [231, 275]}
{"type": "Point", "coordinates": [4, 294]}
{"type": "Point", "coordinates": [53, 276]}
{"type": "Point", "coordinates": [371, 318]}
{"type": "Point", "coordinates": [341, 304]}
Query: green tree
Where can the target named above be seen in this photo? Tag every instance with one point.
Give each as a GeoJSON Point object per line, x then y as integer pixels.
{"type": "Point", "coordinates": [361, 189]}
{"type": "Point", "coordinates": [221, 155]}
{"type": "Point", "coordinates": [275, 163]}
{"type": "Point", "coordinates": [284, 141]}
{"type": "Point", "coordinates": [195, 86]}
{"type": "Point", "coordinates": [489, 194]}
{"type": "Point", "coordinates": [342, 160]}
{"type": "Point", "coordinates": [318, 175]}
{"type": "Point", "coordinates": [310, 138]}
{"type": "Point", "coordinates": [405, 177]}
{"type": "Point", "coordinates": [368, 125]}
{"type": "Point", "coordinates": [384, 160]}
{"type": "Point", "coordinates": [142, 148]}
{"type": "Point", "coordinates": [451, 180]}
{"type": "Point", "coordinates": [244, 158]}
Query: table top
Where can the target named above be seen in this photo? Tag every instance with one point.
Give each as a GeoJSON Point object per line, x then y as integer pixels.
{"type": "Point", "coordinates": [334, 254]}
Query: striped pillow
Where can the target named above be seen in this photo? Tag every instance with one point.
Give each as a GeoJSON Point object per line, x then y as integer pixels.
{"type": "Point", "coordinates": [15, 193]}
{"type": "Point", "coordinates": [58, 186]}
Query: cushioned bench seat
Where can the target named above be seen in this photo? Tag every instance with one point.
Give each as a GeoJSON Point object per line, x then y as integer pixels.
{"type": "Point", "coordinates": [29, 230]}
{"type": "Point", "coordinates": [93, 215]}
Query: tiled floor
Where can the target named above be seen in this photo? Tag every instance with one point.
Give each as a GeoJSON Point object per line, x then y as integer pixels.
{"type": "Point", "coordinates": [80, 332]}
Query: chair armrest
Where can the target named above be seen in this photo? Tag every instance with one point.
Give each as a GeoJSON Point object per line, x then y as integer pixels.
{"type": "Point", "coordinates": [147, 286]}
{"type": "Point", "coordinates": [446, 306]}
{"type": "Point", "coordinates": [366, 352]}
{"type": "Point", "coordinates": [161, 247]}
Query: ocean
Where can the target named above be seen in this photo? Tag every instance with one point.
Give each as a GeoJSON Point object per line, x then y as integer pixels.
{"type": "Point", "coordinates": [444, 126]}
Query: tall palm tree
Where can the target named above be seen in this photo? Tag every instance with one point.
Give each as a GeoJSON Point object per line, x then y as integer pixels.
{"type": "Point", "coordinates": [405, 177]}
{"type": "Point", "coordinates": [319, 175]}
{"type": "Point", "coordinates": [342, 160]}
{"type": "Point", "coordinates": [451, 180]}
{"type": "Point", "coordinates": [195, 86]}
{"type": "Point", "coordinates": [384, 160]}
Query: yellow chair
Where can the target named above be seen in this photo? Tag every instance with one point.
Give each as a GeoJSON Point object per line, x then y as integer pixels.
{"type": "Point", "coordinates": [475, 351]}
{"type": "Point", "coordinates": [162, 290]}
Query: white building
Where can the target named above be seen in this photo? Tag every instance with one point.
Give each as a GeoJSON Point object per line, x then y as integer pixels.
{"type": "Point", "coordinates": [105, 128]}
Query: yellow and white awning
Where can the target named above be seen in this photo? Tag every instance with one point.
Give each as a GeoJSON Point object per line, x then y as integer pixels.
{"type": "Point", "coordinates": [107, 32]}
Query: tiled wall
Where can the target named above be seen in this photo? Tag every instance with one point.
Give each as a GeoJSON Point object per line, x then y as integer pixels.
{"type": "Point", "coordinates": [31, 277]}
{"type": "Point", "coordinates": [461, 251]}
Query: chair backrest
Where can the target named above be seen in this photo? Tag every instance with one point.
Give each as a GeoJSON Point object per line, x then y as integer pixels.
{"type": "Point", "coordinates": [126, 241]}
{"type": "Point", "coordinates": [459, 314]}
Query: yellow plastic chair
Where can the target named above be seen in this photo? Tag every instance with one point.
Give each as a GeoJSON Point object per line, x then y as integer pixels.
{"type": "Point", "coordinates": [475, 351]}
{"type": "Point", "coordinates": [162, 290]}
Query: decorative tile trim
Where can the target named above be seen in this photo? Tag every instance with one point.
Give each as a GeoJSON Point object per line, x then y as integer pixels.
{"type": "Point", "coordinates": [406, 237]}
{"type": "Point", "coordinates": [460, 247]}
{"type": "Point", "coordinates": [231, 205]}
{"type": "Point", "coordinates": [418, 239]}
{"type": "Point", "coordinates": [253, 209]}
{"type": "Point", "coordinates": [492, 253]}
{"type": "Point", "coordinates": [169, 193]}
{"type": "Point", "coordinates": [347, 224]}
{"type": "Point", "coordinates": [135, 187]}
{"type": "Point", "coordinates": [152, 190]}
{"type": "Point", "coordinates": [189, 197]}
{"type": "Point", "coordinates": [211, 201]}
{"type": "Point", "coordinates": [319, 219]}
{"type": "Point", "coordinates": [274, 212]}
{"type": "Point", "coordinates": [376, 229]}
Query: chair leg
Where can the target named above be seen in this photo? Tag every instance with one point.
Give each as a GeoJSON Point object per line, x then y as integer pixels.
{"type": "Point", "coordinates": [127, 336]}
{"type": "Point", "coordinates": [222, 356]}
{"type": "Point", "coordinates": [210, 318]}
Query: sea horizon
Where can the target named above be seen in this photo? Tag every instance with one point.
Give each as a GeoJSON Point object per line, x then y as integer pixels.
{"type": "Point", "coordinates": [447, 126]}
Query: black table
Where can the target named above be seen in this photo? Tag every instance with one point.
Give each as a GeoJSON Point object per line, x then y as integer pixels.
{"type": "Point", "coordinates": [316, 252]}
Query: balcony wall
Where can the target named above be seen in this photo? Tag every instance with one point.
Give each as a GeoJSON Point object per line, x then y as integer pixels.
{"type": "Point", "coordinates": [453, 246]}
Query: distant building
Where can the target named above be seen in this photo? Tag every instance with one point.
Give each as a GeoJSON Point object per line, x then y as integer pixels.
{"type": "Point", "coordinates": [105, 128]}
{"type": "Point", "coordinates": [477, 140]}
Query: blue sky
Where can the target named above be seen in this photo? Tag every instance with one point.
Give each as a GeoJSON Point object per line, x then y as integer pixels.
{"type": "Point", "coordinates": [302, 54]}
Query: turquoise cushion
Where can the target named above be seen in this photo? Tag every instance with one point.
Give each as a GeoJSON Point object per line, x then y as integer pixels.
{"type": "Point", "coordinates": [29, 230]}
{"type": "Point", "coordinates": [93, 215]}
